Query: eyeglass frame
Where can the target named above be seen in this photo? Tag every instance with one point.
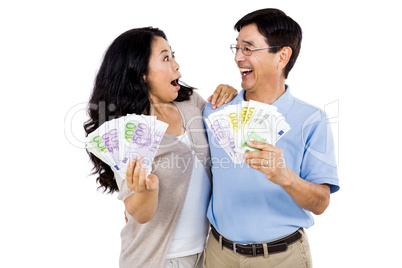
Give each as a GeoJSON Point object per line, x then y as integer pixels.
{"type": "Point", "coordinates": [251, 49]}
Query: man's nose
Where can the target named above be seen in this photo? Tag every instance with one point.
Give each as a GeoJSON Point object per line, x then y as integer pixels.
{"type": "Point", "coordinates": [239, 56]}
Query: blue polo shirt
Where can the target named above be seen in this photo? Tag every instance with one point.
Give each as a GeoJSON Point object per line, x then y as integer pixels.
{"type": "Point", "coordinates": [245, 206]}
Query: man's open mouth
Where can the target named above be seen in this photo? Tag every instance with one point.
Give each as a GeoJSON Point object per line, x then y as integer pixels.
{"type": "Point", "coordinates": [245, 72]}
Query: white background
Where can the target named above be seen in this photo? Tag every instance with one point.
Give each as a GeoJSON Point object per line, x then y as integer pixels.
{"type": "Point", "coordinates": [51, 212]}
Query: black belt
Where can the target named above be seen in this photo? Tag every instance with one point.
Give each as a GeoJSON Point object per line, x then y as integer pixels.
{"type": "Point", "coordinates": [277, 246]}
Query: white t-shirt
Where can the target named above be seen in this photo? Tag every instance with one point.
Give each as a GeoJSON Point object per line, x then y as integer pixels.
{"type": "Point", "coordinates": [192, 229]}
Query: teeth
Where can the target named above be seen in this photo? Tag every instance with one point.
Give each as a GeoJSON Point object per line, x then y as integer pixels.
{"type": "Point", "coordinates": [245, 70]}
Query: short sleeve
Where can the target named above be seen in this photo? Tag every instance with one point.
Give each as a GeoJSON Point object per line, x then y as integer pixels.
{"type": "Point", "coordinates": [319, 163]}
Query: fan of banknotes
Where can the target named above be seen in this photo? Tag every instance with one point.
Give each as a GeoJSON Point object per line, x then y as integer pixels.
{"type": "Point", "coordinates": [131, 136]}
{"type": "Point", "coordinates": [236, 124]}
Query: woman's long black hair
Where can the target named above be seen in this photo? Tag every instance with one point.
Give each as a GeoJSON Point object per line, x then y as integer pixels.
{"type": "Point", "coordinates": [120, 88]}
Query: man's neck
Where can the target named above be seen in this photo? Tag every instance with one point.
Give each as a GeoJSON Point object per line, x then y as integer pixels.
{"type": "Point", "coordinates": [266, 95]}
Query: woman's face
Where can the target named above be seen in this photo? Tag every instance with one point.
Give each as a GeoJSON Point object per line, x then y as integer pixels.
{"type": "Point", "coordinates": [163, 73]}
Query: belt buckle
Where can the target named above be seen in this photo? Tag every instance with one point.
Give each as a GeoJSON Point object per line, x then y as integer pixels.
{"type": "Point", "coordinates": [254, 249]}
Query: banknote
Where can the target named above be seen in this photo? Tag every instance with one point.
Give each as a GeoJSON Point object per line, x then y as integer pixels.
{"type": "Point", "coordinates": [96, 145]}
{"type": "Point", "coordinates": [244, 109]}
{"type": "Point", "coordinates": [235, 117]}
{"type": "Point", "coordinates": [262, 125]}
{"type": "Point", "coordinates": [145, 141]}
{"type": "Point", "coordinates": [117, 141]}
{"type": "Point", "coordinates": [236, 124]}
{"type": "Point", "coordinates": [251, 106]}
{"type": "Point", "coordinates": [265, 126]}
{"type": "Point", "coordinates": [109, 132]}
{"type": "Point", "coordinates": [95, 152]}
{"type": "Point", "coordinates": [220, 127]}
{"type": "Point", "coordinates": [127, 126]}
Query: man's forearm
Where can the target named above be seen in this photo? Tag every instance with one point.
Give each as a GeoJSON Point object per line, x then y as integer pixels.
{"type": "Point", "coordinates": [310, 196]}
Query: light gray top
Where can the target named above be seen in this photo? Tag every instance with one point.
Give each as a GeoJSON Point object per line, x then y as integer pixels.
{"type": "Point", "coordinates": [146, 245]}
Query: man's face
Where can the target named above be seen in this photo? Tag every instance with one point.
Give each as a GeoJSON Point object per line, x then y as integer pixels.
{"type": "Point", "coordinates": [261, 66]}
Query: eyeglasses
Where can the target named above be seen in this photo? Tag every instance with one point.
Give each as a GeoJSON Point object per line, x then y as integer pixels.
{"type": "Point", "coordinates": [247, 51]}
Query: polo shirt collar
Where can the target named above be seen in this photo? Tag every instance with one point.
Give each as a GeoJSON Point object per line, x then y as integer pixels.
{"type": "Point", "coordinates": [283, 103]}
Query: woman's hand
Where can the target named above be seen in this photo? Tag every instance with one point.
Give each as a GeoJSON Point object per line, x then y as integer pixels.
{"type": "Point", "coordinates": [144, 202]}
{"type": "Point", "coordinates": [223, 94]}
{"type": "Point", "coordinates": [136, 179]}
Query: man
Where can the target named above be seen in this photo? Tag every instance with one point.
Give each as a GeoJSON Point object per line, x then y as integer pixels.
{"type": "Point", "coordinates": [258, 210]}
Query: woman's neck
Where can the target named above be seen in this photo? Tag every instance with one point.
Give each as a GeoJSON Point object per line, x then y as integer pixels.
{"type": "Point", "coordinates": [162, 109]}
{"type": "Point", "coordinates": [170, 114]}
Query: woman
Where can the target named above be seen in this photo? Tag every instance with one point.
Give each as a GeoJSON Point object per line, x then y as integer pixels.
{"type": "Point", "coordinates": [166, 211]}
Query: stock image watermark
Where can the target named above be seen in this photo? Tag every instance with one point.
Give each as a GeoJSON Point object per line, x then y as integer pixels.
{"type": "Point", "coordinates": [77, 115]}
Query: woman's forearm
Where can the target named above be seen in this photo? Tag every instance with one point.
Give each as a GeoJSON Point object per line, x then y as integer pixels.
{"type": "Point", "coordinates": [142, 206]}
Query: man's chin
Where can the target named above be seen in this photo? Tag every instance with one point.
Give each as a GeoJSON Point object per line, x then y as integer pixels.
{"type": "Point", "coordinates": [244, 86]}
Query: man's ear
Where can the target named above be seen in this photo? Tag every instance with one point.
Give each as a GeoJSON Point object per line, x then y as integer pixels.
{"type": "Point", "coordinates": [284, 56]}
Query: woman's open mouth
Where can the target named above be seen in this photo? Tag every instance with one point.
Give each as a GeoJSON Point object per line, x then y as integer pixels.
{"type": "Point", "coordinates": [175, 83]}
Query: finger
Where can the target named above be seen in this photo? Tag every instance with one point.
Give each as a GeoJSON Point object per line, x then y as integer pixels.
{"type": "Point", "coordinates": [209, 98]}
{"type": "Point", "coordinates": [143, 176]}
{"type": "Point", "coordinates": [258, 163]}
{"type": "Point", "coordinates": [215, 95]}
{"type": "Point", "coordinates": [136, 173]}
{"type": "Point", "coordinates": [258, 155]}
{"type": "Point", "coordinates": [253, 163]}
{"type": "Point", "coordinates": [130, 165]}
{"type": "Point", "coordinates": [222, 98]}
{"type": "Point", "coordinates": [130, 172]}
{"type": "Point", "coordinates": [262, 146]}
{"type": "Point", "coordinates": [224, 94]}
{"type": "Point", "coordinates": [230, 97]}
{"type": "Point", "coordinates": [151, 184]}
{"type": "Point", "coordinates": [142, 179]}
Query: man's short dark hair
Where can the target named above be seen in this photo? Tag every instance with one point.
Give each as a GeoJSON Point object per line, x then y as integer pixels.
{"type": "Point", "coordinates": [278, 29]}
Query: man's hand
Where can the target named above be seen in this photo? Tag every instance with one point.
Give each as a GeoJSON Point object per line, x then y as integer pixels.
{"type": "Point", "coordinates": [269, 161]}
{"type": "Point", "coordinates": [222, 95]}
